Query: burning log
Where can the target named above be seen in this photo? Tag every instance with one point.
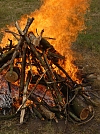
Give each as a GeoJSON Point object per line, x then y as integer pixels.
{"type": "Point", "coordinates": [48, 114]}
{"type": "Point", "coordinates": [12, 75]}
{"type": "Point", "coordinates": [44, 45]}
{"type": "Point", "coordinates": [5, 57]}
{"type": "Point", "coordinates": [45, 93]}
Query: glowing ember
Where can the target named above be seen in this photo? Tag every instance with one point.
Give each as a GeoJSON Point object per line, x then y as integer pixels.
{"type": "Point", "coordinates": [60, 19]}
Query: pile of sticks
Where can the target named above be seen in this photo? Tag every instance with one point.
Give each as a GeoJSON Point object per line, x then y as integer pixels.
{"type": "Point", "coordinates": [50, 95]}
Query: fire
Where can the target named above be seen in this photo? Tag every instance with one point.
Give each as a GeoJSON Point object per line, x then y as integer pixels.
{"type": "Point", "coordinates": [60, 19]}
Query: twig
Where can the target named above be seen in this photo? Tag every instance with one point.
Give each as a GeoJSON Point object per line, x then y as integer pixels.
{"type": "Point", "coordinates": [95, 95]}
{"type": "Point", "coordinates": [76, 91]}
{"type": "Point", "coordinates": [74, 116]}
{"type": "Point", "coordinates": [30, 66]}
{"type": "Point", "coordinates": [14, 34]}
{"type": "Point", "coordinates": [55, 82]}
{"type": "Point", "coordinates": [6, 55]}
{"type": "Point", "coordinates": [49, 38]}
{"type": "Point", "coordinates": [29, 21]}
{"type": "Point", "coordinates": [14, 54]}
{"type": "Point", "coordinates": [10, 45]}
{"type": "Point", "coordinates": [67, 107]}
{"type": "Point", "coordinates": [88, 99]}
{"type": "Point", "coordinates": [52, 79]}
{"type": "Point", "coordinates": [68, 77]}
{"type": "Point", "coordinates": [19, 29]}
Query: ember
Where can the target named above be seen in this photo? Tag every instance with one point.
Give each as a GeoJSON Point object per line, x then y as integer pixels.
{"type": "Point", "coordinates": [37, 76]}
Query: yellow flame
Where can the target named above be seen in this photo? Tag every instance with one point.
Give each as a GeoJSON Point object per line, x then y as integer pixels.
{"type": "Point", "coordinates": [60, 19]}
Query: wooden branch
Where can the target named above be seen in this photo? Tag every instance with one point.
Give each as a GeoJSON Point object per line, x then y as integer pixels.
{"type": "Point", "coordinates": [14, 54]}
{"type": "Point", "coordinates": [19, 29]}
{"type": "Point", "coordinates": [68, 77]}
{"type": "Point", "coordinates": [5, 57]}
{"type": "Point", "coordinates": [24, 98]}
{"type": "Point", "coordinates": [52, 79]}
{"type": "Point", "coordinates": [14, 34]}
{"type": "Point", "coordinates": [54, 56]}
{"type": "Point", "coordinates": [36, 64]}
{"type": "Point", "coordinates": [37, 82]}
{"type": "Point", "coordinates": [37, 113]}
{"type": "Point", "coordinates": [37, 40]}
{"type": "Point", "coordinates": [47, 113]}
{"type": "Point", "coordinates": [45, 44]}
{"type": "Point", "coordinates": [22, 79]}
{"type": "Point", "coordinates": [38, 56]}
{"type": "Point", "coordinates": [89, 100]}
{"type": "Point", "coordinates": [30, 20]}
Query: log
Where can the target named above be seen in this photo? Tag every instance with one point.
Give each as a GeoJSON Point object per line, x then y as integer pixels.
{"type": "Point", "coordinates": [48, 114]}
{"type": "Point", "coordinates": [80, 108]}
{"type": "Point", "coordinates": [37, 113]}
{"type": "Point", "coordinates": [11, 76]}
{"type": "Point", "coordinates": [44, 45]}
{"type": "Point", "coordinates": [5, 57]}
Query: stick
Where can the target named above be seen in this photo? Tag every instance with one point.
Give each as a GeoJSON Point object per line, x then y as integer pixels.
{"type": "Point", "coordinates": [68, 77]}
{"type": "Point", "coordinates": [67, 107]}
{"type": "Point", "coordinates": [6, 55]}
{"type": "Point", "coordinates": [89, 100]}
{"type": "Point", "coordinates": [52, 78]}
{"type": "Point", "coordinates": [29, 21]}
{"type": "Point", "coordinates": [14, 54]}
{"type": "Point", "coordinates": [24, 98]}
{"type": "Point", "coordinates": [22, 79]}
{"type": "Point", "coordinates": [14, 34]}
{"type": "Point", "coordinates": [37, 82]}
{"type": "Point", "coordinates": [75, 94]}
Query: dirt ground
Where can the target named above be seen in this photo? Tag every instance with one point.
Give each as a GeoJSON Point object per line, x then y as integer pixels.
{"type": "Point", "coordinates": [89, 62]}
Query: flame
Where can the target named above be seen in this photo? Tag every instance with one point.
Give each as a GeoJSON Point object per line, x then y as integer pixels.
{"type": "Point", "coordinates": [60, 19]}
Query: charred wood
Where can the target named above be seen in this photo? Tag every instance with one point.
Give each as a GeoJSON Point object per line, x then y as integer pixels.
{"type": "Point", "coordinates": [22, 79]}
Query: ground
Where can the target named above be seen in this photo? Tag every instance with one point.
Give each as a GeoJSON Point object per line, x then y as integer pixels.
{"type": "Point", "coordinates": [86, 46]}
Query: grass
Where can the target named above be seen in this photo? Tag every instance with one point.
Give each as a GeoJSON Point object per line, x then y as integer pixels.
{"type": "Point", "coordinates": [90, 38]}
{"type": "Point", "coordinates": [10, 126]}
{"type": "Point", "coordinates": [12, 10]}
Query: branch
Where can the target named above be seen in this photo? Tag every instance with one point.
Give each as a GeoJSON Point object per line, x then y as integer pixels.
{"type": "Point", "coordinates": [37, 82]}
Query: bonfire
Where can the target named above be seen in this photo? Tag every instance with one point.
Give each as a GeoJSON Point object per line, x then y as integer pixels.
{"type": "Point", "coordinates": [39, 79]}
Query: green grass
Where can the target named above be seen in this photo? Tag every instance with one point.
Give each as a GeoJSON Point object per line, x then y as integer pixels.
{"type": "Point", "coordinates": [90, 38]}
{"type": "Point", "coordinates": [12, 10]}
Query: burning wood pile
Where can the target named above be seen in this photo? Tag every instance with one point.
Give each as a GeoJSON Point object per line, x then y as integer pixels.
{"type": "Point", "coordinates": [33, 81]}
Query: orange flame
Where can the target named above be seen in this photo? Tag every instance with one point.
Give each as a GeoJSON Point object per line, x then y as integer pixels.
{"type": "Point", "coordinates": [60, 19]}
